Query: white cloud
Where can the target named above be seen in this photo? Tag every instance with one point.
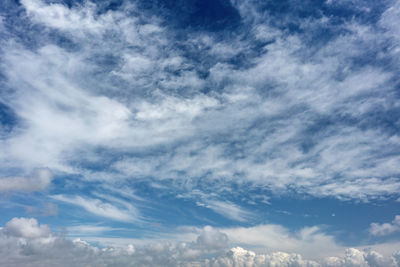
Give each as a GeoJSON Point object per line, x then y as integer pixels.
{"type": "Point", "coordinates": [23, 242]}
{"type": "Point", "coordinates": [61, 17]}
{"type": "Point", "coordinates": [212, 239]}
{"type": "Point", "coordinates": [89, 230]}
{"type": "Point", "coordinates": [97, 207]}
{"type": "Point", "coordinates": [240, 257]}
{"type": "Point", "coordinates": [390, 19]}
{"type": "Point", "coordinates": [40, 180]}
{"type": "Point", "coordinates": [47, 249]}
{"type": "Point", "coordinates": [26, 228]}
{"type": "Point", "coordinates": [229, 210]}
{"type": "Point", "coordinates": [385, 228]}
{"type": "Point", "coordinates": [273, 238]}
{"type": "Point", "coordinates": [354, 257]}
{"type": "Point", "coordinates": [362, 189]}
{"type": "Point", "coordinates": [294, 118]}
{"type": "Point", "coordinates": [252, 126]}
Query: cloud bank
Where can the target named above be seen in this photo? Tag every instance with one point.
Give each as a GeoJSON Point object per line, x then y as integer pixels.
{"type": "Point", "coordinates": [23, 242]}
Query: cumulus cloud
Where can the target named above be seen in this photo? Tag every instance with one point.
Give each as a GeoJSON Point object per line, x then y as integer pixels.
{"type": "Point", "coordinates": [26, 228]}
{"type": "Point", "coordinates": [23, 242]}
{"type": "Point", "coordinates": [273, 238]}
{"type": "Point", "coordinates": [353, 257]}
{"type": "Point", "coordinates": [241, 257]}
{"type": "Point", "coordinates": [383, 229]}
{"type": "Point", "coordinates": [40, 180]}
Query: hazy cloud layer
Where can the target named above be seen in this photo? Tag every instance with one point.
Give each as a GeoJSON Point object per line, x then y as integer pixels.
{"type": "Point", "coordinates": [40, 180]}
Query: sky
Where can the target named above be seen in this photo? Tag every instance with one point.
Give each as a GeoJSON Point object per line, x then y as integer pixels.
{"type": "Point", "coordinates": [199, 133]}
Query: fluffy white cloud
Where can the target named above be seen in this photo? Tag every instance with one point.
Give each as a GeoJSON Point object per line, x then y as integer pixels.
{"type": "Point", "coordinates": [240, 257]}
{"type": "Point", "coordinates": [273, 238]}
{"type": "Point", "coordinates": [385, 228]}
{"type": "Point", "coordinates": [26, 228]}
{"type": "Point", "coordinates": [354, 257]}
{"type": "Point", "coordinates": [40, 180]}
{"type": "Point", "coordinates": [23, 242]}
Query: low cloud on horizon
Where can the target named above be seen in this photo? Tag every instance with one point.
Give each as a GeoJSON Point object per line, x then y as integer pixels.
{"type": "Point", "coordinates": [25, 242]}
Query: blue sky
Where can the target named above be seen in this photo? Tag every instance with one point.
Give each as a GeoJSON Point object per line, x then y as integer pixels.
{"type": "Point", "coordinates": [215, 129]}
